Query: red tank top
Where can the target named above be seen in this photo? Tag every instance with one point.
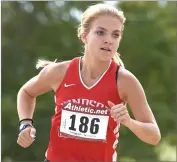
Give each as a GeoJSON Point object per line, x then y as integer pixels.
{"type": "Point", "coordinates": [82, 129]}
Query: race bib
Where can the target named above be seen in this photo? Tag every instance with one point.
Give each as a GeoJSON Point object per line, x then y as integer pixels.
{"type": "Point", "coordinates": [83, 126]}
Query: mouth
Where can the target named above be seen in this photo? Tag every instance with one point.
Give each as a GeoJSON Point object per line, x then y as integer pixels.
{"type": "Point", "coordinates": [105, 49]}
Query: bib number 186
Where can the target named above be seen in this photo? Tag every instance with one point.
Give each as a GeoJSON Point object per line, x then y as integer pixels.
{"type": "Point", "coordinates": [83, 125]}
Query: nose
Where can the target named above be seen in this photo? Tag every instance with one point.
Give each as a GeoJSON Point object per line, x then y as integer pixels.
{"type": "Point", "coordinates": [108, 40]}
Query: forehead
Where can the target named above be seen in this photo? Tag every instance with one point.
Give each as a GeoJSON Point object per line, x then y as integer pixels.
{"type": "Point", "coordinates": [110, 23]}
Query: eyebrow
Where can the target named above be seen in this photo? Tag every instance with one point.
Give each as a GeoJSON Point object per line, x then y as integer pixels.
{"type": "Point", "coordinates": [107, 30]}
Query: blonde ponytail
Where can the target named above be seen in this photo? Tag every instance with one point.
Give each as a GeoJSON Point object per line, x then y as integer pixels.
{"type": "Point", "coordinates": [118, 60]}
{"type": "Point", "coordinates": [42, 63]}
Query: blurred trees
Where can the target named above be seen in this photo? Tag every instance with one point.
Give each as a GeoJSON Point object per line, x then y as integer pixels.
{"type": "Point", "coordinates": [33, 30]}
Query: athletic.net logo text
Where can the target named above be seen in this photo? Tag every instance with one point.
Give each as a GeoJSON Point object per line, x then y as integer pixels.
{"type": "Point", "coordinates": [86, 106]}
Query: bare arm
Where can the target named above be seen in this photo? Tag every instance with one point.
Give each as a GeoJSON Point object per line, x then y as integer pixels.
{"type": "Point", "coordinates": [144, 126]}
{"type": "Point", "coordinates": [47, 80]}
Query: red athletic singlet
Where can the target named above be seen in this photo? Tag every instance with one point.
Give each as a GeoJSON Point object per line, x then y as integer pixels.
{"type": "Point", "coordinates": [82, 128]}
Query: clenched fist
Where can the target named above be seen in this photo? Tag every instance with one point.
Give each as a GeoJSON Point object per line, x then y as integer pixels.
{"type": "Point", "coordinates": [119, 113]}
{"type": "Point", "coordinates": [26, 137]}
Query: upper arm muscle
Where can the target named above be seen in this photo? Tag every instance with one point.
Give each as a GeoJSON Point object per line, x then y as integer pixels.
{"type": "Point", "coordinates": [132, 91]}
{"type": "Point", "coordinates": [48, 79]}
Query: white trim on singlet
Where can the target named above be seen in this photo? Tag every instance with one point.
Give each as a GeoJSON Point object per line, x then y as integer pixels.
{"type": "Point", "coordinates": [116, 132]}
{"type": "Point", "coordinates": [55, 98]}
{"type": "Point", "coordinates": [96, 81]}
{"type": "Point", "coordinates": [114, 157]}
{"type": "Point", "coordinates": [46, 153]}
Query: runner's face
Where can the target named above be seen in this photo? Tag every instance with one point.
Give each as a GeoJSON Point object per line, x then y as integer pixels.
{"type": "Point", "coordinates": [103, 39]}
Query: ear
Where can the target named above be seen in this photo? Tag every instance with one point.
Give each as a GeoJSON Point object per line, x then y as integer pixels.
{"type": "Point", "coordinates": [84, 38]}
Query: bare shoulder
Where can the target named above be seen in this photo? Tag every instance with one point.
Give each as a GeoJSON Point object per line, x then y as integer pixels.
{"type": "Point", "coordinates": [55, 69]}
{"type": "Point", "coordinates": [48, 79]}
{"type": "Point", "coordinates": [55, 72]}
{"type": "Point", "coordinates": [126, 76]}
{"type": "Point", "coordinates": [127, 82]}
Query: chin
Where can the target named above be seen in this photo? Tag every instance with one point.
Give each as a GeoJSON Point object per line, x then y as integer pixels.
{"type": "Point", "coordinates": [105, 58]}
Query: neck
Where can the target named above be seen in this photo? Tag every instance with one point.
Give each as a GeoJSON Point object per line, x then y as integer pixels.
{"type": "Point", "coordinates": [93, 68]}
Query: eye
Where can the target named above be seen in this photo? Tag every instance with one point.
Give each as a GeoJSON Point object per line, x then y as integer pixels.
{"type": "Point", "coordinates": [116, 35]}
{"type": "Point", "coordinates": [100, 32]}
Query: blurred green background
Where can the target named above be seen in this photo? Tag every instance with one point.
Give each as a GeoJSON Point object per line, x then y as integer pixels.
{"type": "Point", "coordinates": [48, 29]}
